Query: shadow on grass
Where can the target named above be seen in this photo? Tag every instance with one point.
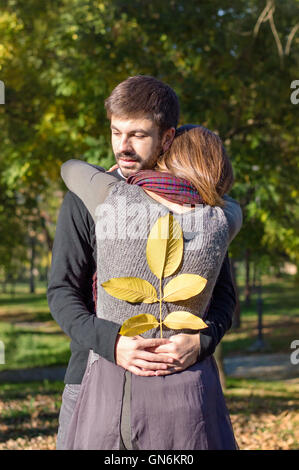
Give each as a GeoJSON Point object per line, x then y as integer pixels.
{"type": "Point", "coordinates": [252, 404]}
{"type": "Point", "coordinates": [22, 417]}
{"type": "Point", "coordinates": [289, 306]}
{"type": "Point", "coordinates": [27, 299]}
{"type": "Point", "coordinates": [19, 395]}
{"type": "Point", "coordinates": [28, 317]}
{"type": "Point", "coordinates": [278, 335]}
{"type": "Point", "coordinates": [29, 433]}
{"type": "Point", "coordinates": [39, 333]}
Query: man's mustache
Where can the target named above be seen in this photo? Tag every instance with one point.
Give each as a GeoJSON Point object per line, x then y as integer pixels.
{"type": "Point", "coordinates": [127, 156]}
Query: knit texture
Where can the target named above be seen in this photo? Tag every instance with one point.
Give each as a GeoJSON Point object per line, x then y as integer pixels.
{"type": "Point", "coordinates": [123, 224]}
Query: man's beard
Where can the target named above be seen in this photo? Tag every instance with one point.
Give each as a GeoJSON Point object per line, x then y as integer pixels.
{"type": "Point", "coordinates": [127, 171]}
{"type": "Point", "coordinates": [139, 164]}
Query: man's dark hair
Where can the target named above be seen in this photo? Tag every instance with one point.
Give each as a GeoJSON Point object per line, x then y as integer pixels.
{"type": "Point", "coordinates": [143, 95]}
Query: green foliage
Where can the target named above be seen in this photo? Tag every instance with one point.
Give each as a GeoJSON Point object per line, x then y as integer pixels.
{"type": "Point", "coordinates": [60, 59]}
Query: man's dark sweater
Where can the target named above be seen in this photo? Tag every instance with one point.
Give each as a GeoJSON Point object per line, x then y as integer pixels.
{"type": "Point", "coordinates": [70, 293]}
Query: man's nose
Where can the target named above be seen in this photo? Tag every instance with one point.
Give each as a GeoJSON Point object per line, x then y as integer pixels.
{"type": "Point", "coordinates": [124, 144]}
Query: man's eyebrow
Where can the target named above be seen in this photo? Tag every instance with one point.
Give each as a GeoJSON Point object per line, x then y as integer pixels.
{"type": "Point", "coordinates": [134, 131]}
{"type": "Point", "coordinates": [142, 131]}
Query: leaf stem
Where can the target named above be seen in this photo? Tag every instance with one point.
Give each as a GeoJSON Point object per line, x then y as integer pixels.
{"type": "Point", "coordinates": [160, 300]}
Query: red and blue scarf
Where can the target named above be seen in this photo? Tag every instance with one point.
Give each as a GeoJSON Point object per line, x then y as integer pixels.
{"type": "Point", "coordinates": [170, 187]}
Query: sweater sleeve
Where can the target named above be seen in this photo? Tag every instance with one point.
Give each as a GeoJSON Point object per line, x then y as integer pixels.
{"type": "Point", "coordinates": [70, 282]}
{"type": "Point", "coordinates": [90, 183]}
{"type": "Point", "coordinates": [233, 214]}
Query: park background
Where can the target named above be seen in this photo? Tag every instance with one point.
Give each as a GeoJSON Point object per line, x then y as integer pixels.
{"type": "Point", "coordinates": [233, 65]}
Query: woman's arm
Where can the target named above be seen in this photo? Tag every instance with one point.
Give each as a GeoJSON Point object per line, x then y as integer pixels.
{"type": "Point", "coordinates": [90, 183]}
{"type": "Point", "coordinates": [233, 213]}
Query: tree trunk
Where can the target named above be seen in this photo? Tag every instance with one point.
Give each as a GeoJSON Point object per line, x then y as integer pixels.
{"type": "Point", "coordinates": [254, 278]}
{"type": "Point", "coordinates": [237, 312]}
{"type": "Point", "coordinates": [13, 288]}
{"type": "Point", "coordinates": [247, 292]}
{"type": "Point", "coordinates": [219, 361]}
{"type": "Point", "coordinates": [32, 262]}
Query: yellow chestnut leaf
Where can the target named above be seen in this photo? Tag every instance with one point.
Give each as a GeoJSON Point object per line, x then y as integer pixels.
{"type": "Point", "coordinates": [183, 287]}
{"type": "Point", "coordinates": [131, 289]}
{"type": "Point", "coordinates": [138, 324]}
{"type": "Point", "coordinates": [164, 250]}
{"type": "Point", "coordinates": [179, 320]}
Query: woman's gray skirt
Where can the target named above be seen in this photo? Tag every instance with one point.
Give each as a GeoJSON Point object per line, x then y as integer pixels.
{"type": "Point", "coordinates": [119, 410]}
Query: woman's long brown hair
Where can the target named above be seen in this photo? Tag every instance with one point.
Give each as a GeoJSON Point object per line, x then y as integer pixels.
{"type": "Point", "coordinates": [198, 155]}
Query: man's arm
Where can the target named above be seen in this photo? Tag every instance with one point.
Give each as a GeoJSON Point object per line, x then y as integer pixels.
{"type": "Point", "coordinates": [70, 282]}
{"type": "Point", "coordinates": [220, 313]}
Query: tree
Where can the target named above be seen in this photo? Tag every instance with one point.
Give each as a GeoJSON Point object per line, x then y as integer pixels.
{"type": "Point", "coordinates": [231, 63]}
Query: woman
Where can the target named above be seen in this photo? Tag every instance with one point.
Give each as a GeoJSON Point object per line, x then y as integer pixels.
{"type": "Point", "coordinates": [186, 410]}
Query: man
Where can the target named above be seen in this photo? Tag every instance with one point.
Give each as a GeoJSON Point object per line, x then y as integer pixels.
{"type": "Point", "coordinates": [144, 115]}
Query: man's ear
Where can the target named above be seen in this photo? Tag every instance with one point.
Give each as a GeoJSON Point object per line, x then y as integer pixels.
{"type": "Point", "coordinates": [167, 138]}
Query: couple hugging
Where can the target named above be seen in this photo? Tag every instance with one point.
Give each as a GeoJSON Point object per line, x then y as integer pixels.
{"type": "Point", "coordinates": [145, 313]}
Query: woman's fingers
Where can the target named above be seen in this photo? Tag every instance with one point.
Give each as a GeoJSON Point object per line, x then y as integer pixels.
{"type": "Point", "coordinates": [144, 373]}
{"type": "Point", "coordinates": [145, 365]}
{"type": "Point", "coordinates": [155, 358]}
{"type": "Point", "coordinates": [151, 373]}
{"type": "Point", "coordinates": [129, 351]}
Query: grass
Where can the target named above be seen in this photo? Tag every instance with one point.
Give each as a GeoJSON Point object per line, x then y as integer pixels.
{"type": "Point", "coordinates": [280, 318]}
{"type": "Point", "coordinates": [30, 335]}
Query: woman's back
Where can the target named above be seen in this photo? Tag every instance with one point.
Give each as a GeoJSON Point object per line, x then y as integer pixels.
{"type": "Point", "coordinates": [124, 216]}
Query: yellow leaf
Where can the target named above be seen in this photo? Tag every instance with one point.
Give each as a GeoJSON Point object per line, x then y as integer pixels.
{"type": "Point", "coordinates": [164, 250]}
{"type": "Point", "coordinates": [138, 324]}
{"type": "Point", "coordinates": [183, 287]}
{"type": "Point", "coordinates": [131, 289]}
{"type": "Point", "coordinates": [178, 320]}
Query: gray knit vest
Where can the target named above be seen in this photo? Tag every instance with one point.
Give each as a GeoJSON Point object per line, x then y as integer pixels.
{"type": "Point", "coordinates": [123, 223]}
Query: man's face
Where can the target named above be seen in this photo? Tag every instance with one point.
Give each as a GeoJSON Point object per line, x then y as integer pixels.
{"type": "Point", "coordinates": [136, 144]}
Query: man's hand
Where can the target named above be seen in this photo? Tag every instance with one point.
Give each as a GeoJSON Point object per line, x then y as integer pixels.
{"type": "Point", "coordinates": [114, 167]}
{"type": "Point", "coordinates": [183, 348]}
{"type": "Point", "coordinates": [132, 353]}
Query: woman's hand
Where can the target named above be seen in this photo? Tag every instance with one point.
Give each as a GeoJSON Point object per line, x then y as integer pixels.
{"type": "Point", "coordinates": [182, 348]}
{"type": "Point", "coordinates": [133, 354]}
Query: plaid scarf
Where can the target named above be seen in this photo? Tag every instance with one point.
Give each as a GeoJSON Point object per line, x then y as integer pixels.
{"type": "Point", "coordinates": [170, 187]}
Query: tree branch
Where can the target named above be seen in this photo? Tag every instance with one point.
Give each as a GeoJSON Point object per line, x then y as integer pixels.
{"type": "Point", "coordinates": [263, 17]}
{"type": "Point", "coordinates": [275, 34]}
{"type": "Point", "coordinates": [290, 38]}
